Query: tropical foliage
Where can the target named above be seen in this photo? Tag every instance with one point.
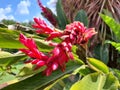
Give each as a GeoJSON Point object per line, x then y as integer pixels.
{"type": "Point", "coordinates": [62, 57]}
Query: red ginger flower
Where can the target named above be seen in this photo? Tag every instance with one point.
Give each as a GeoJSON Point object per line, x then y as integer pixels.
{"type": "Point", "coordinates": [43, 28]}
{"type": "Point", "coordinates": [77, 33]}
{"type": "Point", "coordinates": [60, 55]}
{"type": "Point", "coordinates": [48, 14]}
{"type": "Point", "coordinates": [57, 58]}
{"type": "Point", "coordinates": [32, 51]}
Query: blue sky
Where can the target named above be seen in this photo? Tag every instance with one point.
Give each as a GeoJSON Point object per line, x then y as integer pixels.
{"type": "Point", "coordinates": [23, 10]}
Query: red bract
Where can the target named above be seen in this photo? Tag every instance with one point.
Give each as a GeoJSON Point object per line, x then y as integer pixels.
{"type": "Point", "coordinates": [77, 33]}
{"type": "Point", "coordinates": [43, 28]}
{"type": "Point", "coordinates": [33, 51]}
{"type": "Point", "coordinates": [57, 58]}
{"type": "Point", "coordinates": [48, 14]}
{"type": "Point", "coordinates": [60, 55]}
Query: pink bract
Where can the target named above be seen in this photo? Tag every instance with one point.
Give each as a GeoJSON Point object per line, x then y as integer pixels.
{"type": "Point", "coordinates": [55, 59]}
{"type": "Point", "coordinates": [43, 28]}
{"type": "Point", "coordinates": [77, 33]}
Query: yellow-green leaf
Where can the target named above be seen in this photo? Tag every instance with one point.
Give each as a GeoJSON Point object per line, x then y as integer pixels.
{"type": "Point", "coordinates": [97, 65]}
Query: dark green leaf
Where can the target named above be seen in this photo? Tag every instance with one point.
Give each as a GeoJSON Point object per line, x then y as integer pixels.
{"type": "Point", "coordinates": [101, 52]}
{"type": "Point", "coordinates": [3, 26]}
{"type": "Point", "coordinates": [82, 17]}
{"type": "Point", "coordinates": [62, 19]}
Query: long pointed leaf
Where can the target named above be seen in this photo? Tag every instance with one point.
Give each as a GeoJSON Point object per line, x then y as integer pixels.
{"type": "Point", "coordinates": [62, 19]}
{"type": "Point", "coordinates": [39, 81]}
{"type": "Point", "coordinates": [82, 17]}
{"type": "Point", "coordinates": [10, 59]}
{"type": "Point", "coordinates": [112, 24]}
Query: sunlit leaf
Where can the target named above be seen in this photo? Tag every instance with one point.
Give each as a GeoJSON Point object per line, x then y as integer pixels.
{"type": "Point", "coordinates": [115, 44]}
{"type": "Point", "coordinates": [97, 81]}
{"type": "Point", "coordinates": [10, 39]}
{"type": "Point", "coordinates": [7, 59]}
{"type": "Point", "coordinates": [112, 24]}
{"type": "Point", "coordinates": [39, 80]}
{"type": "Point", "coordinates": [97, 65]}
{"type": "Point", "coordinates": [28, 69]}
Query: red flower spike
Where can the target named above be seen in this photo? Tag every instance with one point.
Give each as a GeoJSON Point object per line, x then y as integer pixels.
{"type": "Point", "coordinates": [55, 66]}
{"type": "Point", "coordinates": [40, 63]}
{"type": "Point", "coordinates": [48, 14]}
{"type": "Point", "coordinates": [54, 35]}
{"type": "Point", "coordinates": [33, 51]}
{"type": "Point", "coordinates": [57, 58]}
{"type": "Point", "coordinates": [42, 27]}
{"type": "Point", "coordinates": [48, 71]}
{"type": "Point", "coordinates": [77, 33]}
{"type": "Point", "coordinates": [35, 61]}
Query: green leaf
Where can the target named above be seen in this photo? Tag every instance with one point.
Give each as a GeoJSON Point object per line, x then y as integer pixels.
{"type": "Point", "coordinates": [107, 12]}
{"type": "Point", "coordinates": [62, 19]}
{"type": "Point", "coordinates": [57, 81]}
{"type": "Point", "coordinates": [39, 80]}
{"type": "Point", "coordinates": [97, 65]}
{"type": "Point", "coordinates": [83, 70]}
{"type": "Point", "coordinates": [97, 81]}
{"type": "Point", "coordinates": [9, 39]}
{"type": "Point", "coordinates": [101, 52]}
{"type": "Point", "coordinates": [115, 44]}
{"type": "Point", "coordinates": [4, 54]}
{"type": "Point", "coordinates": [116, 73]}
{"type": "Point", "coordinates": [112, 24]}
{"type": "Point", "coordinates": [5, 78]}
{"type": "Point", "coordinates": [9, 59]}
{"type": "Point", "coordinates": [76, 57]}
{"type": "Point", "coordinates": [8, 75]}
{"type": "Point", "coordinates": [28, 70]}
{"type": "Point", "coordinates": [82, 17]}
{"type": "Point", "coordinates": [3, 25]}
{"type": "Point", "coordinates": [43, 45]}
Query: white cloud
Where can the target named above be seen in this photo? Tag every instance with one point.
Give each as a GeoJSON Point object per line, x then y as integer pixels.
{"type": "Point", "coordinates": [38, 15]}
{"type": "Point", "coordinates": [52, 5]}
{"type": "Point", "coordinates": [26, 20]}
{"type": "Point", "coordinates": [22, 7]}
{"type": "Point", "coordinates": [8, 9]}
{"type": "Point", "coordinates": [51, 2]}
{"type": "Point", "coordinates": [5, 13]}
{"type": "Point", "coordinates": [11, 17]}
